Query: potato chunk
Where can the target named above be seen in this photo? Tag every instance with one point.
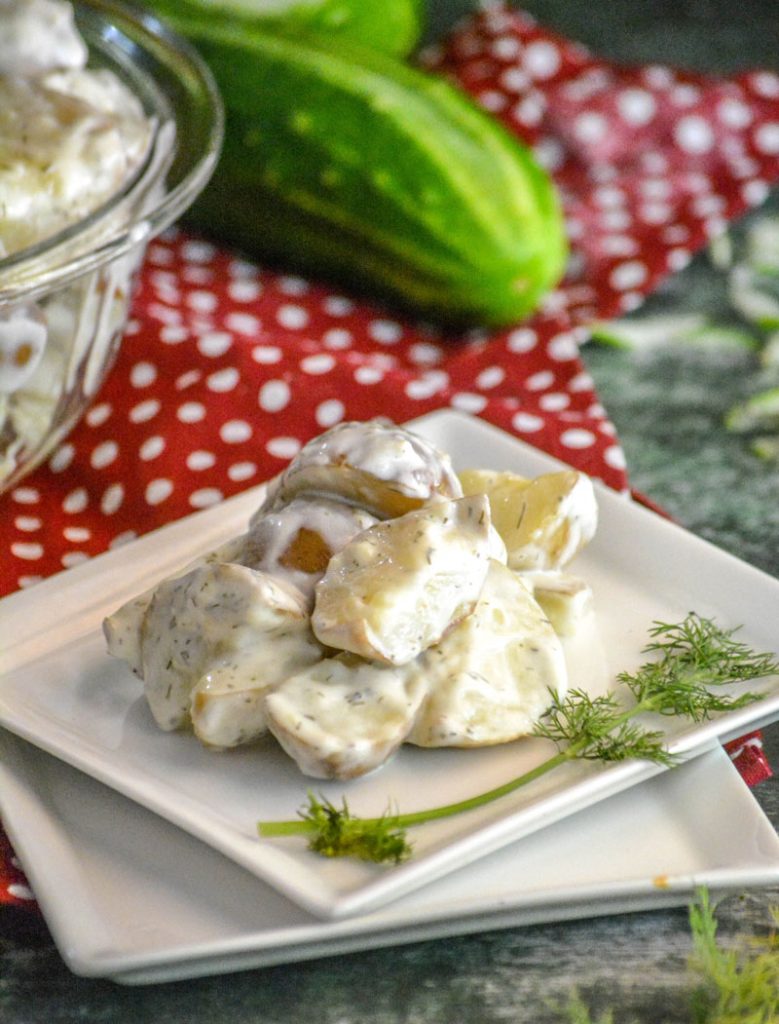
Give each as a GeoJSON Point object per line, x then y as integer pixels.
{"type": "Point", "coordinates": [122, 629]}
{"type": "Point", "coordinates": [545, 521]}
{"type": "Point", "coordinates": [344, 716]}
{"type": "Point", "coordinates": [200, 621]}
{"type": "Point", "coordinates": [565, 600]}
{"type": "Point", "coordinates": [397, 587]}
{"type": "Point", "coordinates": [489, 679]}
{"type": "Point", "coordinates": [375, 465]}
{"type": "Point", "coordinates": [227, 703]}
{"type": "Point", "coordinates": [297, 541]}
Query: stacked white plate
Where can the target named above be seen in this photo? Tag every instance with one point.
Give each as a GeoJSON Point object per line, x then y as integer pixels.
{"type": "Point", "coordinates": [170, 880]}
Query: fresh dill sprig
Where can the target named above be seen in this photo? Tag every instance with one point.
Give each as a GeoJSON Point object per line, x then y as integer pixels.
{"type": "Point", "coordinates": [693, 656]}
{"type": "Point", "coordinates": [736, 986]}
{"type": "Point", "coordinates": [577, 1012]}
{"type": "Point", "coordinates": [336, 833]}
{"type": "Point", "coordinates": [732, 986]}
{"type": "Point", "coordinates": [599, 729]}
{"type": "Point", "coordinates": [689, 659]}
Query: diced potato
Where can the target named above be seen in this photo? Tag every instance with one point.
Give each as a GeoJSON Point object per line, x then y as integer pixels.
{"type": "Point", "coordinates": [397, 587]}
{"type": "Point", "coordinates": [490, 481]}
{"type": "Point", "coordinates": [566, 600]}
{"type": "Point", "coordinates": [227, 703]}
{"type": "Point", "coordinates": [489, 679]}
{"type": "Point", "coordinates": [375, 465]}
{"type": "Point", "coordinates": [122, 629]}
{"type": "Point", "coordinates": [544, 522]}
{"type": "Point", "coordinates": [297, 541]}
{"type": "Point", "coordinates": [344, 716]}
{"type": "Point", "coordinates": [198, 621]}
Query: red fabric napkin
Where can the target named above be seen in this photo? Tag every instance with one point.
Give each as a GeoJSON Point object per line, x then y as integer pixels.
{"type": "Point", "coordinates": [226, 369]}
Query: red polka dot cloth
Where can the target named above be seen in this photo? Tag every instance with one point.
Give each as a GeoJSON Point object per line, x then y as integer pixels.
{"type": "Point", "coordinates": [226, 368]}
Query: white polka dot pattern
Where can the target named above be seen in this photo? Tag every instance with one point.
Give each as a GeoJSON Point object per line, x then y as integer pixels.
{"type": "Point", "coordinates": [650, 163]}
{"type": "Point", "coordinates": [14, 889]}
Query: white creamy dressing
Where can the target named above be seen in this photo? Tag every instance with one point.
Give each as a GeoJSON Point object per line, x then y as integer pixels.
{"type": "Point", "coordinates": [395, 589]}
{"type": "Point", "coordinates": [373, 465]}
{"type": "Point", "coordinates": [23, 336]}
{"type": "Point", "coordinates": [292, 542]}
{"type": "Point", "coordinates": [392, 455]}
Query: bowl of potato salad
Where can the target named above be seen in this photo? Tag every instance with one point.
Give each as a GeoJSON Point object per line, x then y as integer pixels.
{"type": "Point", "coordinates": [110, 126]}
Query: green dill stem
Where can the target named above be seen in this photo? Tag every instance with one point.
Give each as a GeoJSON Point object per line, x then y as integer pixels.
{"type": "Point", "coordinates": [287, 828]}
{"type": "Point", "coordinates": [301, 827]}
{"type": "Point", "coordinates": [571, 752]}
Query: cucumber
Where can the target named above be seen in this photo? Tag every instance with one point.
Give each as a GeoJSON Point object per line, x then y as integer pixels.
{"type": "Point", "coordinates": [345, 164]}
{"type": "Point", "coordinates": [393, 26]}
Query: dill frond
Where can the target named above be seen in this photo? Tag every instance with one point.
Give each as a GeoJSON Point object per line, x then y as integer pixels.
{"type": "Point", "coordinates": [577, 1012]}
{"type": "Point", "coordinates": [691, 658]}
{"type": "Point", "coordinates": [736, 987]}
{"type": "Point", "coordinates": [337, 833]}
{"type": "Point", "coordinates": [599, 729]}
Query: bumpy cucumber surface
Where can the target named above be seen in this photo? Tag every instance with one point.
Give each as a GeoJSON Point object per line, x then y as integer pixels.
{"type": "Point", "coordinates": [344, 163]}
{"type": "Point", "coordinates": [393, 26]}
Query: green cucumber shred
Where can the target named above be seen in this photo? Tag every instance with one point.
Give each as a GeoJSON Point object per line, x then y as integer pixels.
{"type": "Point", "coordinates": [759, 412]}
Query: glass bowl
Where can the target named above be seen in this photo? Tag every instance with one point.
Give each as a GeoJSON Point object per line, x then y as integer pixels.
{"type": "Point", "coordinates": [73, 290]}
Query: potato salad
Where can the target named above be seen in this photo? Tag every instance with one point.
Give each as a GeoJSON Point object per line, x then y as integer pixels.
{"type": "Point", "coordinates": [377, 598]}
{"type": "Point", "coordinates": [71, 138]}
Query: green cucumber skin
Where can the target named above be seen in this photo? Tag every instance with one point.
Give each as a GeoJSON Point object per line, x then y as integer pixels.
{"type": "Point", "coordinates": [392, 26]}
{"type": "Point", "coordinates": [345, 164]}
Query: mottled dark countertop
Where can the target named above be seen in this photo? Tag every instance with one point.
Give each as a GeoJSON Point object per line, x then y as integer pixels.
{"type": "Point", "coordinates": [669, 404]}
{"type": "Point", "coordinates": [668, 409]}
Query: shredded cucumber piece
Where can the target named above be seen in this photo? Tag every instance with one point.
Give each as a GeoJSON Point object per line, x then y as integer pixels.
{"type": "Point", "coordinates": [760, 412]}
{"type": "Point", "coordinates": [763, 245]}
{"type": "Point", "coordinates": [646, 332]}
{"type": "Point", "coordinates": [766, 447]}
{"type": "Point", "coordinates": [748, 260]}
{"type": "Point", "coordinates": [689, 329]}
{"type": "Point", "coordinates": [721, 251]}
{"type": "Point", "coordinates": [769, 355]}
{"type": "Point", "coordinates": [755, 296]}
{"type": "Point", "coordinates": [722, 337]}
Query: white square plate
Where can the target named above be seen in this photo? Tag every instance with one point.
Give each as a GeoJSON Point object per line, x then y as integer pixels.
{"type": "Point", "coordinates": [131, 897]}
{"type": "Point", "coordinates": [62, 692]}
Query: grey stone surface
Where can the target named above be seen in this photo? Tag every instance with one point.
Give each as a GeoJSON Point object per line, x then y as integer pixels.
{"type": "Point", "coordinates": [669, 404]}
